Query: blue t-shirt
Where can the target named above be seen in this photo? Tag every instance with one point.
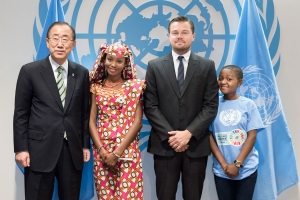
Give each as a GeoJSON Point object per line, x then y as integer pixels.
{"type": "Point", "coordinates": [234, 119]}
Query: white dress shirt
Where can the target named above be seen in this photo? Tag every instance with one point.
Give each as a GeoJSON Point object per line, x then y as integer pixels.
{"type": "Point", "coordinates": [185, 61]}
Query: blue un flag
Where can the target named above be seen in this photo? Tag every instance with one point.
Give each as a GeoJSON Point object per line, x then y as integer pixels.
{"type": "Point", "coordinates": [277, 166]}
{"type": "Point", "coordinates": [56, 13]}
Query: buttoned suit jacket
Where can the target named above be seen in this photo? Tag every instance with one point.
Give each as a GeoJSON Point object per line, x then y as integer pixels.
{"type": "Point", "coordinates": [168, 109]}
{"type": "Point", "coordinates": [40, 119]}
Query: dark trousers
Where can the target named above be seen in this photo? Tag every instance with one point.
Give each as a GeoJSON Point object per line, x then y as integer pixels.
{"type": "Point", "coordinates": [40, 185]}
{"type": "Point", "coordinates": [236, 189]}
{"type": "Point", "coordinates": [168, 171]}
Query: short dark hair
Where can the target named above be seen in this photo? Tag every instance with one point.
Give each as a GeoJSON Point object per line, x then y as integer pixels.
{"type": "Point", "coordinates": [238, 71]}
{"type": "Point", "coordinates": [62, 23]}
{"type": "Point", "coordinates": [182, 19]}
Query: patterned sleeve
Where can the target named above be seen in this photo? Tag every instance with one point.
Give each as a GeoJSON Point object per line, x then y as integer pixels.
{"type": "Point", "coordinates": [142, 86]}
{"type": "Point", "coordinates": [94, 87]}
{"type": "Point", "coordinates": [135, 89]}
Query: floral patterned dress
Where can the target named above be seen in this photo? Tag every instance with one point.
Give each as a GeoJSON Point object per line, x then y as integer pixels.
{"type": "Point", "coordinates": [116, 113]}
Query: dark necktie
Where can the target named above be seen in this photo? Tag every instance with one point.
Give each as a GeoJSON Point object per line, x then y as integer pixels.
{"type": "Point", "coordinates": [180, 77]}
{"type": "Point", "coordinates": [60, 84]}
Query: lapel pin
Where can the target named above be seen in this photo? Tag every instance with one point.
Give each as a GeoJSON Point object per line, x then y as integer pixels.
{"type": "Point", "coordinates": [73, 74]}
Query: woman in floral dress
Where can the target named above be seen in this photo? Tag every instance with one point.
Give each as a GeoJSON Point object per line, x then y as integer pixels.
{"type": "Point", "coordinates": [115, 121]}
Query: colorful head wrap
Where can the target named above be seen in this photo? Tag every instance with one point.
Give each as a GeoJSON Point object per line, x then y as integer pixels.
{"type": "Point", "coordinates": [119, 50]}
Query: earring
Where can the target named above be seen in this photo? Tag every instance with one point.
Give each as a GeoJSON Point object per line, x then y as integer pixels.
{"type": "Point", "coordinates": [124, 74]}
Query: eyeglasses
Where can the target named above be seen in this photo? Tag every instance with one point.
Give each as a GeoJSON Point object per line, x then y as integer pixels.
{"type": "Point", "coordinates": [63, 40]}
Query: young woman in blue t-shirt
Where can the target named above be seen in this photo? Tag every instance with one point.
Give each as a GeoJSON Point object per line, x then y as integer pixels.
{"type": "Point", "coordinates": [233, 134]}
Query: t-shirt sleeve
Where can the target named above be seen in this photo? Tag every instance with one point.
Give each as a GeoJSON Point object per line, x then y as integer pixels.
{"type": "Point", "coordinates": [254, 118]}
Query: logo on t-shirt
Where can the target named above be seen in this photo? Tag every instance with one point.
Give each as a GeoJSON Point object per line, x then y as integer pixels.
{"type": "Point", "coordinates": [230, 117]}
{"type": "Point", "coordinates": [236, 137]}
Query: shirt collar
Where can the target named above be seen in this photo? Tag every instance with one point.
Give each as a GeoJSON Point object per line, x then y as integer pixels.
{"type": "Point", "coordinates": [55, 65]}
{"type": "Point", "coordinates": [186, 55]}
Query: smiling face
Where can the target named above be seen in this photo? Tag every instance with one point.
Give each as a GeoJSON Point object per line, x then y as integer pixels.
{"type": "Point", "coordinates": [114, 66]}
{"type": "Point", "coordinates": [229, 81]}
{"type": "Point", "coordinates": [181, 36]}
{"type": "Point", "coordinates": [60, 42]}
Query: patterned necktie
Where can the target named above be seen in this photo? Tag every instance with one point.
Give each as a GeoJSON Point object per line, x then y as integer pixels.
{"type": "Point", "coordinates": [60, 84]}
{"type": "Point", "coordinates": [180, 77]}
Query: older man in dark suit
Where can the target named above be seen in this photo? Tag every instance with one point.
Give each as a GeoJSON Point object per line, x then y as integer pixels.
{"type": "Point", "coordinates": [51, 137]}
{"type": "Point", "coordinates": [181, 100]}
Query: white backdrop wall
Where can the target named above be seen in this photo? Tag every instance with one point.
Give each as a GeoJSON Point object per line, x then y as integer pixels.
{"type": "Point", "coordinates": [17, 48]}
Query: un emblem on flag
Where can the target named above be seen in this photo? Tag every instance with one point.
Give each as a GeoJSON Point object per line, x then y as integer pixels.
{"type": "Point", "coordinates": [260, 88]}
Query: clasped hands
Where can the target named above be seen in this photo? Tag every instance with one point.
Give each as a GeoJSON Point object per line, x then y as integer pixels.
{"type": "Point", "coordinates": [231, 170]}
{"type": "Point", "coordinates": [179, 140]}
{"type": "Point", "coordinates": [108, 159]}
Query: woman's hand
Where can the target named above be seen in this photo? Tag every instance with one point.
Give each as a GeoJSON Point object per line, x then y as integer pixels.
{"type": "Point", "coordinates": [111, 159]}
{"type": "Point", "coordinates": [103, 154]}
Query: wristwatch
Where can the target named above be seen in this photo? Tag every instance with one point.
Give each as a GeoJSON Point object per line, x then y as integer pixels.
{"type": "Point", "coordinates": [238, 164]}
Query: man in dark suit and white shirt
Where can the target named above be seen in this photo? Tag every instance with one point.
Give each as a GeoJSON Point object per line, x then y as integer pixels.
{"type": "Point", "coordinates": [51, 137]}
{"type": "Point", "coordinates": [181, 100]}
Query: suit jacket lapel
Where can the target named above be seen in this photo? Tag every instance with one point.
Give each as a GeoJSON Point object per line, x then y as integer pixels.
{"type": "Point", "coordinates": [170, 72]}
{"type": "Point", "coordinates": [189, 73]}
{"type": "Point", "coordinates": [48, 76]}
{"type": "Point", "coordinates": [71, 84]}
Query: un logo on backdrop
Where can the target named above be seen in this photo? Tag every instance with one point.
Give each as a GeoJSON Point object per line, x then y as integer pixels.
{"type": "Point", "coordinates": [143, 26]}
{"type": "Point", "coordinates": [147, 33]}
